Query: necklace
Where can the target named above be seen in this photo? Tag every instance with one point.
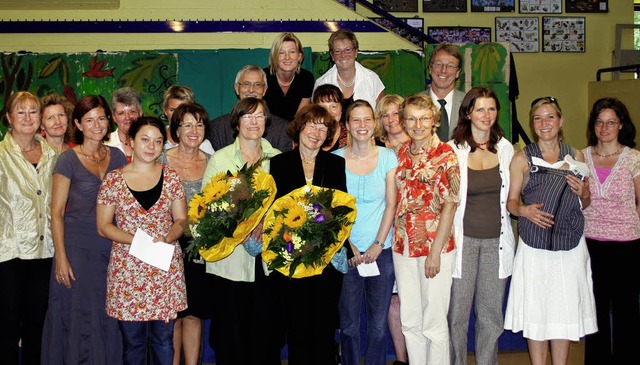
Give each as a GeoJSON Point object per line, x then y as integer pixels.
{"type": "Point", "coordinates": [96, 161]}
{"type": "Point", "coordinates": [308, 162]}
{"type": "Point", "coordinates": [125, 142]}
{"type": "Point", "coordinates": [595, 150]}
{"type": "Point", "coordinates": [345, 84]}
{"type": "Point", "coordinates": [33, 148]}
{"type": "Point", "coordinates": [358, 157]}
{"type": "Point", "coordinates": [478, 144]}
{"type": "Point", "coordinates": [285, 84]}
{"type": "Point", "coordinates": [420, 151]}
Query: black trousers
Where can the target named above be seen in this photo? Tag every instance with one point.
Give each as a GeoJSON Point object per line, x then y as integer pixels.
{"type": "Point", "coordinates": [24, 293]}
{"type": "Point", "coordinates": [616, 287]}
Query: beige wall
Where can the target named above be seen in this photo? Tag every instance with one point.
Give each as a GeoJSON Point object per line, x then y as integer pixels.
{"type": "Point", "coordinates": [563, 75]}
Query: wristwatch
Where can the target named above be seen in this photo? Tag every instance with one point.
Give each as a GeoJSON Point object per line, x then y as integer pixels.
{"type": "Point", "coordinates": [376, 242]}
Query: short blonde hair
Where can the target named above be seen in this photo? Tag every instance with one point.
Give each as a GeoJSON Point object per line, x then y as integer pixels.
{"type": "Point", "coordinates": [381, 107]}
{"type": "Point", "coordinates": [274, 54]}
{"type": "Point", "coordinates": [423, 102]}
{"type": "Point", "coordinates": [20, 99]}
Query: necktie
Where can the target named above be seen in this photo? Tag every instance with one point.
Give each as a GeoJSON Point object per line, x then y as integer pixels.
{"type": "Point", "coordinates": [443, 130]}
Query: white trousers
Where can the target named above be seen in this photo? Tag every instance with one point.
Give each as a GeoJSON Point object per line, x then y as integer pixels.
{"type": "Point", "coordinates": [424, 304]}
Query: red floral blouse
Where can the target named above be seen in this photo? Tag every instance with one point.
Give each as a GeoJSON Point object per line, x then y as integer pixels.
{"type": "Point", "coordinates": [137, 291]}
{"type": "Point", "coordinates": [423, 188]}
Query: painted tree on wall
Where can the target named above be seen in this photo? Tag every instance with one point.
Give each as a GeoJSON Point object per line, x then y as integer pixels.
{"type": "Point", "coordinates": [78, 74]}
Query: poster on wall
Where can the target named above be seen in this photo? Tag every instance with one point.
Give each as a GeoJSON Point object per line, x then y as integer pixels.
{"type": "Point", "coordinates": [444, 6]}
{"type": "Point", "coordinates": [351, 4]}
{"type": "Point", "coordinates": [417, 23]}
{"type": "Point", "coordinates": [563, 34]}
{"type": "Point", "coordinates": [460, 34]}
{"type": "Point", "coordinates": [587, 6]}
{"type": "Point", "coordinates": [409, 6]}
{"type": "Point", "coordinates": [541, 6]}
{"type": "Point", "coordinates": [521, 33]}
{"type": "Point", "coordinates": [489, 6]}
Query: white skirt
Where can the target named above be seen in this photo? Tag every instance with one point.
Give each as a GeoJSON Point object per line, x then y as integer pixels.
{"type": "Point", "coordinates": [551, 294]}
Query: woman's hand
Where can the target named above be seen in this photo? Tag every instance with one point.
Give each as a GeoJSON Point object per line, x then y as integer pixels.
{"type": "Point", "coordinates": [535, 214]}
{"type": "Point", "coordinates": [64, 272]}
{"type": "Point", "coordinates": [372, 253]}
{"type": "Point", "coordinates": [432, 265]}
{"type": "Point", "coordinates": [357, 258]}
{"type": "Point", "coordinates": [160, 239]}
{"type": "Point", "coordinates": [579, 187]}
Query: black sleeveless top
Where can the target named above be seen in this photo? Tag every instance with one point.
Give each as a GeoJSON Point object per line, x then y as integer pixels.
{"type": "Point", "coordinates": [549, 187]}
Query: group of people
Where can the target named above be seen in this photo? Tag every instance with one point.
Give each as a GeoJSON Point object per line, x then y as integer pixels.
{"type": "Point", "coordinates": [436, 187]}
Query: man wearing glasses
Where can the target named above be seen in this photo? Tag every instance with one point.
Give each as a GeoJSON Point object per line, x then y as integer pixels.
{"type": "Point", "coordinates": [251, 81]}
{"type": "Point", "coordinates": [444, 69]}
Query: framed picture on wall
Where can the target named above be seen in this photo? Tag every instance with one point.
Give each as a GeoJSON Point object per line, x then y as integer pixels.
{"type": "Point", "coordinates": [417, 23]}
{"type": "Point", "coordinates": [563, 34]}
{"type": "Point", "coordinates": [541, 6]}
{"type": "Point", "coordinates": [522, 33]}
{"type": "Point", "coordinates": [410, 6]}
{"type": "Point", "coordinates": [351, 4]}
{"type": "Point", "coordinates": [460, 34]}
{"type": "Point", "coordinates": [444, 6]}
{"type": "Point", "coordinates": [586, 6]}
{"type": "Point", "coordinates": [493, 5]}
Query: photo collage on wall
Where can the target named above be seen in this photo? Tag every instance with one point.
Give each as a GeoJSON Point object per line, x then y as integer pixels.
{"type": "Point", "coordinates": [541, 6]}
{"type": "Point", "coordinates": [493, 5]}
{"type": "Point", "coordinates": [460, 34]}
{"type": "Point", "coordinates": [563, 34]}
{"type": "Point", "coordinates": [442, 6]}
{"type": "Point", "coordinates": [521, 32]}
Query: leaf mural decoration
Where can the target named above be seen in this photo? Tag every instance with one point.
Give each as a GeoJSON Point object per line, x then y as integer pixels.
{"type": "Point", "coordinates": [489, 59]}
{"type": "Point", "coordinates": [50, 67]}
{"type": "Point", "coordinates": [142, 73]}
{"type": "Point", "coordinates": [64, 73]}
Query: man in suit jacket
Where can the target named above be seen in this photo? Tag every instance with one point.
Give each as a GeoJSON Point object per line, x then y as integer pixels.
{"type": "Point", "coordinates": [444, 68]}
{"type": "Point", "coordinates": [251, 81]}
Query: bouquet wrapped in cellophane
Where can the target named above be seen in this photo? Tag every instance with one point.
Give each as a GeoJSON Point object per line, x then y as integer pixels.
{"type": "Point", "coordinates": [304, 229]}
{"type": "Point", "coordinates": [229, 208]}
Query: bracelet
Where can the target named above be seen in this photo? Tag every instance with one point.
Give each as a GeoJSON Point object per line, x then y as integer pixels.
{"type": "Point", "coordinates": [376, 242]}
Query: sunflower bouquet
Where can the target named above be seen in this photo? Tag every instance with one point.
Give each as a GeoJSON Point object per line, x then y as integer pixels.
{"type": "Point", "coordinates": [230, 206]}
{"type": "Point", "coordinates": [305, 228]}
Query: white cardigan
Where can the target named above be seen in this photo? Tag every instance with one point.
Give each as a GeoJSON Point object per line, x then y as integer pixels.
{"type": "Point", "coordinates": [507, 239]}
{"type": "Point", "coordinates": [367, 84]}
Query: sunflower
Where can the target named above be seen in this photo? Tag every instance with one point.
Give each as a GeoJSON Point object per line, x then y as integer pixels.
{"type": "Point", "coordinates": [215, 190]}
{"type": "Point", "coordinates": [197, 208]}
{"type": "Point", "coordinates": [295, 217]}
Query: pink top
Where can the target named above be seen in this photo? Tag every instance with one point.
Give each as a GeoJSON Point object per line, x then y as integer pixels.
{"type": "Point", "coordinates": [612, 215]}
{"type": "Point", "coordinates": [137, 291]}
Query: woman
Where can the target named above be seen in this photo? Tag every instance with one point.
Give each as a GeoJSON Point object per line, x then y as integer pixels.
{"type": "Point", "coordinates": [310, 305]}
{"type": "Point", "coordinates": [354, 80]}
{"type": "Point", "coordinates": [77, 327]}
{"type": "Point", "coordinates": [428, 179]}
{"type": "Point", "coordinates": [26, 246]}
{"type": "Point", "coordinates": [289, 87]}
{"type": "Point", "coordinates": [393, 135]}
{"type": "Point", "coordinates": [126, 105]}
{"type": "Point", "coordinates": [56, 112]}
{"type": "Point", "coordinates": [550, 297]}
{"type": "Point", "coordinates": [148, 196]}
{"type": "Point", "coordinates": [242, 304]}
{"type": "Point", "coordinates": [482, 227]}
{"type": "Point", "coordinates": [370, 174]}
{"type": "Point", "coordinates": [188, 127]}
{"type": "Point", "coordinates": [612, 228]}
{"type": "Point", "coordinates": [172, 98]}
{"type": "Point", "coordinates": [389, 124]}
{"type": "Point", "coordinates": [329, 97]}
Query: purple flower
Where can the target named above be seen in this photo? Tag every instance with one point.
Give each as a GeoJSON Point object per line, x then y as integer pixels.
{"type": "Point", "coordinates": [317, 207]}
{"type": "Point", "coordinates": [319, 218]}
{"type": "Point", "coordinates": [289, 247]}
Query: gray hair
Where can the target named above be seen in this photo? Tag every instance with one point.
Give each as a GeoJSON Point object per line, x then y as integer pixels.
{"type": "Point", "coordinates": [127, 96]}
{"type": "Point", "coordinates": [251, 68]}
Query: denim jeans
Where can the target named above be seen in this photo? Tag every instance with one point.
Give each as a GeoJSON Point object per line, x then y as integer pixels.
{"type": "Point", "coordinates": [136, 334]}
{"type": "Point", "coordinates": [376, 292]}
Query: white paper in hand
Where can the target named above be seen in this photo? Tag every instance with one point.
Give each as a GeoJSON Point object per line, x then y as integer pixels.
{"type": "Point", "coordinates": [366, 270]}
{"type": "Point", "coordinates": [156, 254]}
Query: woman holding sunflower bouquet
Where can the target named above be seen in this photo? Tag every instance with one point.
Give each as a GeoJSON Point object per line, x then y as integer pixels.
{"type": "Point", "coordinates": [311, 302]}
{"type": "Point", "coordinates": [238, 332]}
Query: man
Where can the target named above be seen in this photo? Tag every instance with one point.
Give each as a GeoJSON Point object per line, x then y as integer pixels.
{"type": "Point", "coordinates": [251, 81]}
{"type": "Point", "coordinates": [126, 107]}
{"type": "Point", "coordinates": [444, 68]}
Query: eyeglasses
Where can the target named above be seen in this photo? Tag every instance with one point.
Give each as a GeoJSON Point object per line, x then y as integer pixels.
{"type": "Point", "coordinates": [412, 120]}
{"type": "Point", "coordinates": [449, 66]}
{"type": "Point", "coordinates": [608, 123]}
{"type": "Point", "coordinates": [346, 51]}
{"type": "Point", "coordinates": [548, 99]}
{"type": "Point", "coordinates": [191, 125]}
{"type": "Point", "coordinates": [258, 117]}
{"type": "Point", "coordinates": [318, 128]}
{"type": "Point", "coordinates": [248, 85]}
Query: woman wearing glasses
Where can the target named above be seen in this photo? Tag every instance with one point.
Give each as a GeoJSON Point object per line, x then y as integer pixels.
{"type": "Point", "coordinates": [239, 332]}
{"type": "Point", "coordinates": [612, 228]}
{"type": "Point", "coordinates": [428, 179]}
{"type": "Point", "coordinates": [189, 123]}
{"type": "Point", "coordinates": [550, 298]}
{"type": "Point", "coordinates": [354, 80]}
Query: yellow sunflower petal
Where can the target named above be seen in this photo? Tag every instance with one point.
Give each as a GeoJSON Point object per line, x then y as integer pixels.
{"type": "Point", "coordinates": [296, 217]}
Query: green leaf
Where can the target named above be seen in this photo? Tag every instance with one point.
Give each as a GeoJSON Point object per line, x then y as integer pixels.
{"type": "Point", "coordinates": [142, 73]}
{"type": "Point", "coordinates": [50, 67]}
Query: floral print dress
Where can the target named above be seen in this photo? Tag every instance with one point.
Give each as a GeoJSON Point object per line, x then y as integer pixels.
{"type": "Point", "coordinates": [137, 291]}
